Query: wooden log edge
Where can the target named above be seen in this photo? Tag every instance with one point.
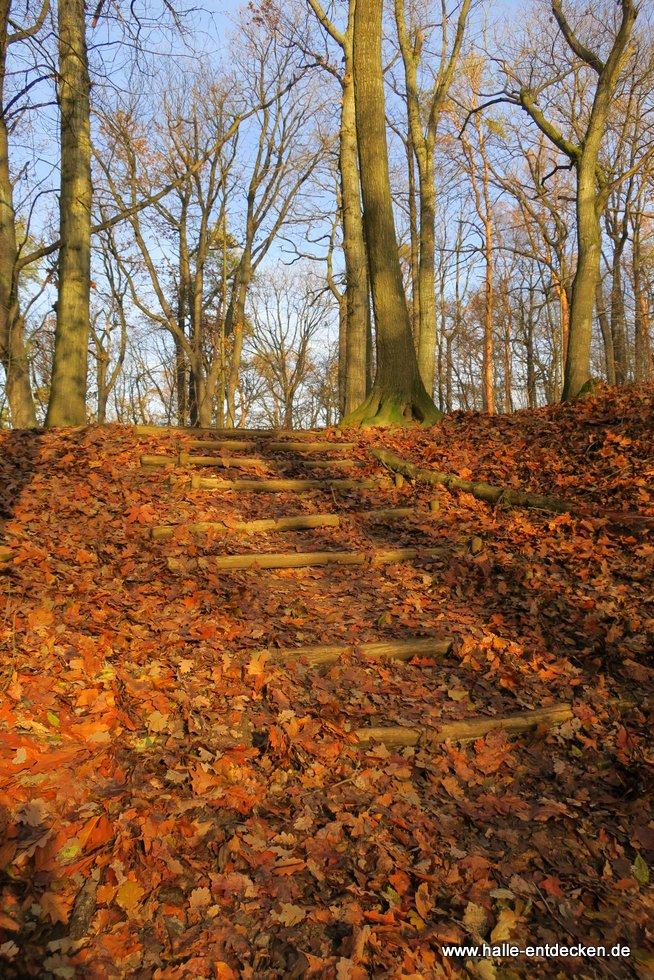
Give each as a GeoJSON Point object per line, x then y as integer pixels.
{"type": "Point", "coordinates": [310, 559]}
{"type": "Point", "coordinates": [308, 447]}
{"type": "Point", "coordinates": [299, 522]}
{"type": "Point", "coordinates": [230, 444]}
{"type": "Point", "coordinates": [157, 462]}
{"type": "Point", "coordinates": [280, 485]}
{"type": "Point", "coordinates": [468, 729]}
{"type": "Point", "coordinates": [381, 650]}
{"type": "Point", "coordinates": [147, 430]}
{"type": "Point", "coordinates": [233, 462]}
{"type": "Point", "coordinates": [479, 489]}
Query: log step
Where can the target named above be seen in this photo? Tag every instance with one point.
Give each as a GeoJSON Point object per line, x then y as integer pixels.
{"type": "Point", "coordinates": [301, 522]}
{"type": "Point", "coordinates": [157, 462]}
{"type": "Point", "coordinates": [247, 462]}
{"type": "Point", "coordinates": [233, 462]}
{"type": "Point", "coordinates": [392, 650]}
{"type": "Point", "coordinates": [148, 430]}
{"type": "Point", "coordinates": [279, 486]}
{"type": "Point", "coordinates": [310, 559]}
{"type": "Point", "coordinates": [238, 444]}
{"type": "Point", "coordinates": [324, 464]}
{"type": "Point", "coordinates": [308, 447]}
{"type": "Point", "coordinates": [469, 729]}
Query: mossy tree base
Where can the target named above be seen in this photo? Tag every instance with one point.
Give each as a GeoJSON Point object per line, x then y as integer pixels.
{"type": "Point", "coordinates": [382, 409]}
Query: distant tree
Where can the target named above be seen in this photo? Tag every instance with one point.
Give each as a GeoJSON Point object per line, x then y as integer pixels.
{"type": "Point", "coordinates": [288, 311]}
{"type": "Point", "coordinates": [425, 103]}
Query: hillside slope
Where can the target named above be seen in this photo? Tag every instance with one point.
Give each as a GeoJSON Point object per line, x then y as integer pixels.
{"type": "Point", "coordinates": [181, 797]}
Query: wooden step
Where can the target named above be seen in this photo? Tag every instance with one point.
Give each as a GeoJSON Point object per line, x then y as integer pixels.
{"type": "Point", "coordinates": [310, 559]}
{"type": "Point", "coordinates": [324, 464]}
{"type": "Point", "coordinates": [381, 650]}
{"type": "Point", "coordinates": [231, 444]}
{"type": "Point", "coordinates": [149, 461]}
{"type": "Point", "coordinates": [308, 447]}
{"type": "Point", "coordinates": [147, 430]}
{"type": "Point", "coordinates": [300, 522]}
{"type": "Point", "coordinates": [227, 462]}
{"type": "Point", "coordinates": [468, 729]}
{"type": "Point", "coordinates": [250, 462]}
{"type": "Point", "coordinates": [281, 486]}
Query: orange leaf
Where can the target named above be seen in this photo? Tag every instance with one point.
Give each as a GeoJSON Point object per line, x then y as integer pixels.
{"type": "Point", "coordinates": [129, 895]}
{"type": "Point", "coordinates": [55, 906]}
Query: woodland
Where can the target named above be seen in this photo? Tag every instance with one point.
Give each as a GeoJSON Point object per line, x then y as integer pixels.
{"type": "Point", "coordinates": [326, 490]}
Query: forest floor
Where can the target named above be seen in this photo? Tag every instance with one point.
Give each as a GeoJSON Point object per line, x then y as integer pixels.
{"type": "Point", "coordinates": [180, 797]}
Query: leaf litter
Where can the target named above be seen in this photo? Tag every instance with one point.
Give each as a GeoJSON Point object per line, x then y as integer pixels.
{"type": "Point", "coordinates": [179, 798]}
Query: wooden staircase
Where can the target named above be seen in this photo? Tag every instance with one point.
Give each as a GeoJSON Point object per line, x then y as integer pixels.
{"type": "Point", "coordinates": [305, 467]}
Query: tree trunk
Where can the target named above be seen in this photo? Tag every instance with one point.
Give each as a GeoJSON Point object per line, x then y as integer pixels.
{"type": "Point", "coordinates": [67, 404]}
{"type": "Point", "coordinates": [415, 245]}
{"type": "Point", "coordinates": [13, 354]}
{"type": "Point", "coordinates": [618, 329]}
{"type": "Point", "coordinates": [235, 325]}
{"type": "Point", "coordinates": [398, 394]}
{"type": "Point", "coordinates": [589, 240]}
{"type": "Point", "coordinates": [342, 353]}
{"type": "Point", "coordinates": [427, 281]}
{"type": "Point", "coordinates": [642, 348]}
{"type": "Point", "coordinates": [181, 381]}
{"type": "Point", "coordinates": [354, 250]}
{"type": "Point", "coordinates": [607, 336]}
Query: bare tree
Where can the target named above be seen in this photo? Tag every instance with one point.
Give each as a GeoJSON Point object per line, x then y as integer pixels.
{"type": "Point", "coordinates": [289, 144]}
{"type": "Point", "coordinates": [582, 151]}
{"type": "Point", "coordinates": [288, 312]}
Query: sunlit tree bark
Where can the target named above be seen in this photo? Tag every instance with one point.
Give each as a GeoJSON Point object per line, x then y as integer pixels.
{"type": "Point", "coordinates": [67, 405]}
{"type": "Point", "coordinates": [398, 394]}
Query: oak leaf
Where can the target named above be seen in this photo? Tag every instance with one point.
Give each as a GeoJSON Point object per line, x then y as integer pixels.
{"type": "Point", "coordinates": [129, 895]}
{"type": "Point", "coordinates": [289, 914]}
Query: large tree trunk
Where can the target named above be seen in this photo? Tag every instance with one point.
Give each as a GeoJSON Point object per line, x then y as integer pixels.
{"type": "Point", "coordinates": [67, 404]}
{"type": "Point", "coordinates": [13, 354]}
{"type": "Point", "coordinates": [398, 394]}
{"type": "Point", "coordinates": [356, 272]}
{"type": "Point", "coordinates": [589, 240]}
